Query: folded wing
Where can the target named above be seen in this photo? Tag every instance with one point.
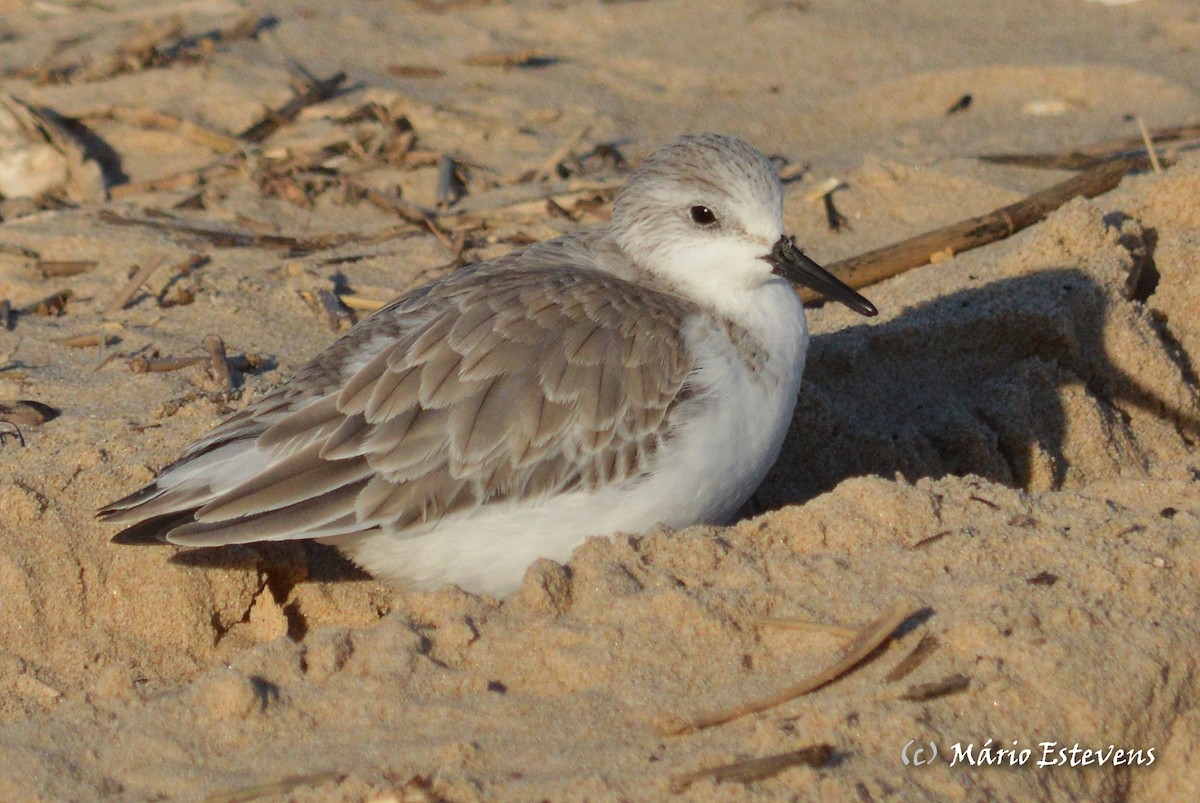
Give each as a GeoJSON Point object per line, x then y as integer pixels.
{"type": "Point", "coordinates": [480, 389]}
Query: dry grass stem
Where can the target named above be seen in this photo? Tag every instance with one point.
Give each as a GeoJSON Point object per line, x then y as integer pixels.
{"type": "Point", "coordinates": [801, 624]}
{"type": "Point", "coordinates": [140, 277]}
{"type": "Point", "coordinates": [1167, 141]}
{"type": "Point", "coordinates": [863, 644]}
{"type": "Point", "coordinates": [821, 190]}
{"type": "Point", "coordinates": [1155, 165]}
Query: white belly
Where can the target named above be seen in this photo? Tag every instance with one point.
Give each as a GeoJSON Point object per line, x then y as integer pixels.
{"type": "Point", "coordinates": [722, 446]}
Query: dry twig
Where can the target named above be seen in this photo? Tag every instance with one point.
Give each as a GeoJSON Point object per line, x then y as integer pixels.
{"type": "Point", "coordinates": [883, 263]}
{"type": "Point", "coordinates": [867, 640]}
{"type": "Point", "coordinates": [140, 277]}
{"type": "Point", "coordinates": [1155, 165]}
{"type": "Point", "coordinates": [317, 91]}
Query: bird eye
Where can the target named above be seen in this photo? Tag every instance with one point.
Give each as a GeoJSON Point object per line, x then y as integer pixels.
{"type": "Point", "coordinates": [702, 215]}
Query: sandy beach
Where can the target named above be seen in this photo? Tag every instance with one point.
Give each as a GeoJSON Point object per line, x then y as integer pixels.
{"type": "Point", "coordinates": [199, 195]}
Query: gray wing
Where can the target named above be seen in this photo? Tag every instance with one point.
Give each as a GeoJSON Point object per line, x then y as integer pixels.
{"type": "Point", "coordinates": [492, 385]}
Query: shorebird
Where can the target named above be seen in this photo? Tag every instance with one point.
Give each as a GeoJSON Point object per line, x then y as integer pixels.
{"type": "Point", "coordinates": [641, 374]}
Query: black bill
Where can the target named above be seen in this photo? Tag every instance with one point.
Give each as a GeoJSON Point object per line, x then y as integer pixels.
{"type": "Point", "coordinates": [794, 266]}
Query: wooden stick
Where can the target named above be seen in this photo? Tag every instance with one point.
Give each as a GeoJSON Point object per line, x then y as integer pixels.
{"type": "Point", "coordinates": [317, 91]}
{"type": "Point", "coordinates": [852, 654]}
{"type": "Point", "coordinates": [884, 263]}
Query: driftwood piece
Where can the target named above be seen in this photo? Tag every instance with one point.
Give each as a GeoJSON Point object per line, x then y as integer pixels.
{"type": "Point", "coordinates": [884, 263]}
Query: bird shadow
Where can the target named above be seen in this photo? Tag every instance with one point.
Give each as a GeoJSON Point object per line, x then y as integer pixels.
{"type": "Point", "coordinates": [305, 561]}
{"type": "Point", "coordinates": [971, 383]}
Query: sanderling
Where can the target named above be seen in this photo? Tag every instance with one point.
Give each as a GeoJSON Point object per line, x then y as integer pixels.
{"type": "Point", "coordinates": [607, 381]}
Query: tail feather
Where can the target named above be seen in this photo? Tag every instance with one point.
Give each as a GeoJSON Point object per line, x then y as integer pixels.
{"type": "Point", "coordinates": [153, 530]}
{"type": "Point", "coordinates": [113, 510]}
{"type": "Point", "coordinates": [155, 502]}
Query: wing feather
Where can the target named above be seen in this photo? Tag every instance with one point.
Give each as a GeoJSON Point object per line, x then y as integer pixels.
{"type": "Point", "coordinates": [491, 385]}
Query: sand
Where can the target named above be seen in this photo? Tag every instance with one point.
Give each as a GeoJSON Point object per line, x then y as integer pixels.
{"type": "Point", "coordinates": [1009, 449]}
